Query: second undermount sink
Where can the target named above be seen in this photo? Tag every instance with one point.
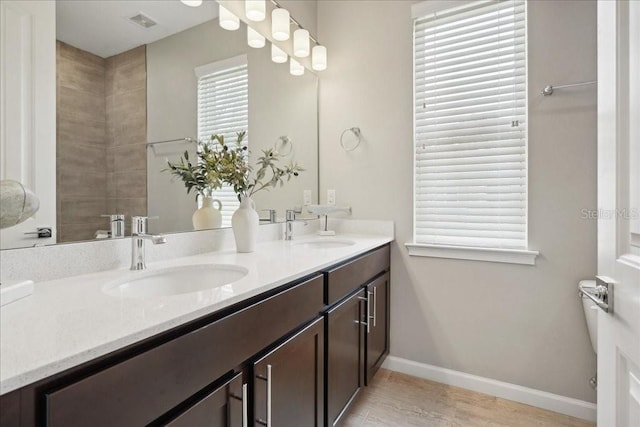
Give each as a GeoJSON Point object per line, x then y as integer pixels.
{"type": "Point", "coordinates": [325, 243]}
{"type": "Point", "coordinates": [175, 280]}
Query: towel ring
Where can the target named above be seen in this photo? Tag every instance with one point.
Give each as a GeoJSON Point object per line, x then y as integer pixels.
{"type": "Point", "coordinates": [350, 143]}
{"type": "Point", "coordinates": [283, 146]}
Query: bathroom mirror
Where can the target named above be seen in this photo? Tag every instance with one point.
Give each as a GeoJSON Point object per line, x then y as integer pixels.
{"type": "Point", "coordinates": [134, 86]}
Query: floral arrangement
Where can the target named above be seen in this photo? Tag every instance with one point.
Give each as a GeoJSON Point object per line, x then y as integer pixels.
{"type": "Point", "coordinates": [219, 164]}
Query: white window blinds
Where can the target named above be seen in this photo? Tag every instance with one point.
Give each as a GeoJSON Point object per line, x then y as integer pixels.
{"type": "Point", "coordinates": [223, 108]}
{"type": "Point", "coordinates": [470, 126]}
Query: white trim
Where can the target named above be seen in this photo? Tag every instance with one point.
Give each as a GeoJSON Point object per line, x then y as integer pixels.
{"type": "Point", "coordinates": [509, 256]}
{"type": "Point", "coordinates": [529, 396]}
{"type": "Point", "coordinates": [223, 64]}
{"type": "Point", "coordinates": [428, 7]}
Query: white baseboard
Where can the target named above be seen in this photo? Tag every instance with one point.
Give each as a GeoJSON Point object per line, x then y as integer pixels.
{"type": "Point", "coordinates": [529, 396]}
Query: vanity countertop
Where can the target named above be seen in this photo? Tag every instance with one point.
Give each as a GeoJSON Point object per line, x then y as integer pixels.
{"type": "Point", "coordinates": [70, 321]}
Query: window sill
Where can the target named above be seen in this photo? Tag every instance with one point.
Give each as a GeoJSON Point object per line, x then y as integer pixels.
{"type": "Point", "coordinates": [509, 256]}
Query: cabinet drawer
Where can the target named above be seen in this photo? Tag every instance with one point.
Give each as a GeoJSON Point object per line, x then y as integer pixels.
{"type": "Point", "coordinates": [343, 280]}
{"type": "Point", "coordinates": [140, 389]}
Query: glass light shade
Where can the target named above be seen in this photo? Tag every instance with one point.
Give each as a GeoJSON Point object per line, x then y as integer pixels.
{"type": "Point", "coordinates": [278, 55]}
{"type": "Point", "coordinates": [280, 29]}
{"type": "Point", "coordinates": [228, 20]}
{"type": "Point", "coordinates": [254, 38]}
{"type": "Point", "coordinates": [301, 43]}
{"type": "Point", "coordinates": [255, 10]}
{"type": "Point", "coordinates": [192, 3]}
{"type": "Point", "coordinates": [319, 58]}
{"type": "Point", "coordinates": [295, 68]}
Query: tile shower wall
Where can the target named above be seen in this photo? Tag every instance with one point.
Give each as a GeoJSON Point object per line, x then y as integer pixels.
{"type": "Point", "coordinates": [126, 131]}
{"type": "Point", "coordinates": [101, 136]}
{"type": "Point", "coordinates": [81, 144]}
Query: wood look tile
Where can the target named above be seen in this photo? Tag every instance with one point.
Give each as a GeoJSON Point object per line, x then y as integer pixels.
{"type": "Point", "coordinates": [130, 158]}
{"type": "Point", "coordinates": [131, 184]}
{"type": "Point", "coordinates": [83, 210]}
{"type": "Point", "coordinates": [395, 399]}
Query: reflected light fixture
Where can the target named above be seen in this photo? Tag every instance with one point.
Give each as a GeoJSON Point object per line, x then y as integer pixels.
{"type": "Point", "coordinates": [228, 20]}
{"type": "Point", "coordinates": [319, 58]}
{"type": "Point", "coordinates": [254, 38]}
{"type": "Point", "coordinates": [278, 55]}
{"type": "Point", "coordinates": [255, 10]}
{"type": "Point", "coordinates": [280, 24]}
{"type": "Point", "coordinates": [295, 68]}
{"type": "Point", "coordinates": [192, 3]}
{"type": "Point", "coordinates": [301, 43]}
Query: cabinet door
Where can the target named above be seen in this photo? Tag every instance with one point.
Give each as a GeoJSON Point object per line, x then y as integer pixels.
{"type": "Point", "coordinates": [225, 406]}
{"type": "Point", "coordinates": [345, 355]}
{"type": "Point", "coordinates": [289, 381]}
{"type": "Point", "coordinates": [378, 324]}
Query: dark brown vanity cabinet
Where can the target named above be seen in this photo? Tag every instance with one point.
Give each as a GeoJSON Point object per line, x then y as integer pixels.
{"type": "Point", "coordinates": [357, 327]}
{"type": "Point", "coordinates": [377, 337]}
{"type": "Point", "coordinates": [288, 382]}
{"type": "Point", "coordinates": [294, 356]}
{"type": "Point", "coordinates": [345, 355]}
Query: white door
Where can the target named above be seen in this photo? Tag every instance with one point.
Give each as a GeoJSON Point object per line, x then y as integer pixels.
{"type": "Point", "coordinates": [619, 208]}
{"type": "Point", "coordinates": [28, 111]}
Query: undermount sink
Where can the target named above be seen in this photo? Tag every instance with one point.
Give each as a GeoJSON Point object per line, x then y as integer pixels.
{"type": "Point", "coordinates": [325, 243]}
{"type": "Point", "coordinates": [175, 280]}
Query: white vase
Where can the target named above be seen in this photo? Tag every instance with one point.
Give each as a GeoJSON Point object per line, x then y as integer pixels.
{"type": "Point", "coordinates": [207, 216]}
{"type": "Point", "coordinates": [245, 223]}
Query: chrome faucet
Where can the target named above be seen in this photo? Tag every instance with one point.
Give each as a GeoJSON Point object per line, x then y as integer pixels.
{"type": "Point", "coordinates": [290, 219]}
{"type": "Point", "coordinates": [138, 236]}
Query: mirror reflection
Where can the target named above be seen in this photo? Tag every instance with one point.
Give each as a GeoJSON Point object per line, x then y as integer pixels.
{"type": "Point", "coordinates": [139, 87]}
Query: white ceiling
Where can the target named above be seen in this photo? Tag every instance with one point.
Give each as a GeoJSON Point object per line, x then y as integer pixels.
{"type": "Point", "coordinates": [103, 27]}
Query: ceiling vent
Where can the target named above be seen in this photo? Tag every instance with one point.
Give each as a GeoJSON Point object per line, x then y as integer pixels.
{"type": "Point", "coordinates": [143, 20]}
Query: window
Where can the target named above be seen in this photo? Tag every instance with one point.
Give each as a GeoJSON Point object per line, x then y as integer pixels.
{"type": "Point", "coordinates": [223, 108]}
{"type": "Point", "coordinates": [470, 132]}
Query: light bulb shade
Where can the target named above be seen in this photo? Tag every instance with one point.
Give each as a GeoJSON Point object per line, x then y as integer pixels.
{"type": "Point", "coordinates": [255, 10]}
{"type": "Point", "coordinates": [228, 20]}
{"type": "Point", "coordinates": [319, 58]}
{"type": "Point", "coordinates": [295, 68]}
{"type": "Point", "coordinates": [301, 43]}
{"type": "Point", "coordinates": [278, 55]}
{"type": "Point", "coordinates": [280, 24]}
{"type": "Point", "coordinates": [192, 3]}
{"type": "Point", "coordinates": [254, 38]}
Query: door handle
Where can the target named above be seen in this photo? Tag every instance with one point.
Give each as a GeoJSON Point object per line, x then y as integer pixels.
{"type": "Point", "coordinates": [601, 294]}
{"type": "Point", "coordinates": [42, 232]}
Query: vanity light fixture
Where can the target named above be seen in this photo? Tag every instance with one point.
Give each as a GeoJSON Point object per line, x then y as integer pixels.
{"type": "Point", "coordinates": [301, 43]}
{"type": "Point", "coordinates": [191, 3]}
{"type": "Point", "coordinates": [280, 29]}
{"type": "Point", "coordinates": [254, 38]}
{"type": "Point", "coordinates": [255, 10]}
{"type": "Point", "coordinates": [278, 55]}
{"type": "Point", "coordinates": [228, 20]}
{"type": "Point", "coordinates": [319, 58]}
{"type": "Point", "coordinates": [295, 68]}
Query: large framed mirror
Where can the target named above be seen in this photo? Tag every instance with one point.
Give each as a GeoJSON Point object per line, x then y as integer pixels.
{"type": "Point", "coordinates": [138, 83]}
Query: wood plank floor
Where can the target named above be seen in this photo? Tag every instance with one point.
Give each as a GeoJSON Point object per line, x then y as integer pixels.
{"type": "Point", "coordinates": [394, 400]}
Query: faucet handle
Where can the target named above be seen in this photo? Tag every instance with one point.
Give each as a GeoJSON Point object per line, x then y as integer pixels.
{"type": "Point", "coordinates": [138, 225]}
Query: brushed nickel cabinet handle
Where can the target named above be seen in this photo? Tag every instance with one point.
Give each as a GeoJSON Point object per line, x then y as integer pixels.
{"type": "Point", "coordinates": [269, 395]}
{"type": "Point", "coordinates": [375, 305]}
{"type": "Point", "coordinates": [245, 420]}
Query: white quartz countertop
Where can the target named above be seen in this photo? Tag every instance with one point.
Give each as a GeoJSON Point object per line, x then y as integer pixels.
{"type": "Point", "coordinates": [70, 321]}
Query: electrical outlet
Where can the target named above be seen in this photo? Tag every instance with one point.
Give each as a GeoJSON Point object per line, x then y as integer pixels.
{"type": "Point", "coordinates": [306, 197]}
{"type": "Point", "coordinates": [331, 197]}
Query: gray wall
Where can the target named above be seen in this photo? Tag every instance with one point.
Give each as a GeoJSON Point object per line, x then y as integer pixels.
{"type": "Point", "coordinates": [514, 323]}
